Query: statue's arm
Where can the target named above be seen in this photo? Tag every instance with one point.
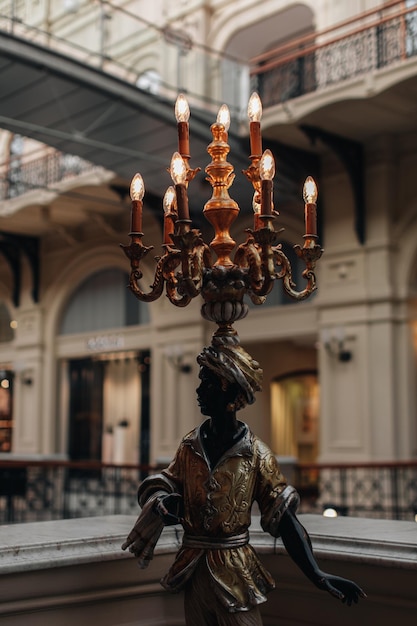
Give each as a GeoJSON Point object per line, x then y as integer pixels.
{"type": "Point", "coordinates": [298, 545]}
{"type": "Point", "coordinates": [161, 505]}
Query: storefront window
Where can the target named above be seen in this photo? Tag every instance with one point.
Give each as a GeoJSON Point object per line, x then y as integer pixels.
{"type": "Point", "coordinates": [6, 421]}
{"type": "Point", "coordinates": [294, 415]}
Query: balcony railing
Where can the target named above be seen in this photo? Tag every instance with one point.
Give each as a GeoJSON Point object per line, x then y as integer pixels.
{"type": "Point", "coordinates": [18, 176]}
{"type": "Point", "coordinates": [371, 41]}
{"type": "Point", "coordinates": [373, 490]}
{"type": "Point", "coordinates": [48, 490]}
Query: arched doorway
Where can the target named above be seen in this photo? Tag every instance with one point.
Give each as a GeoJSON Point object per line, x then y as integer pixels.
{"type": "Point", "coordinates": [295, 402]}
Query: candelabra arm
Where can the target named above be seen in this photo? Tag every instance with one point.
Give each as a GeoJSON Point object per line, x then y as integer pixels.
{"type": "Point", "coordinates": [192, 255]}
{"type": "Point", "coordinates": [257, 254]}
{"type": "Point", "coordinates": [310, 253]}
{"type": "Point", "coordinates": [174, 292]}
{"type": "Point", "coordinates": [247, 256]}
{"type": "Point", "coordinates": [135, 252]}
{"type": "Point", "coordinates": [193, 265]}
{"type": "Point", "coordinates": [156, 287]}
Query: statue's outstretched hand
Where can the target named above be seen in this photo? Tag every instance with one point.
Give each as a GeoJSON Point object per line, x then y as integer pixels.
{"type": "Point", "coordinates": [341, 588]}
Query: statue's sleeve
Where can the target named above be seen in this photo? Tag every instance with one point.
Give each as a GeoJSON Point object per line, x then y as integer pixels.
{"type": "Point", "coordinates": [273, 494]}
{"type": "Point", "coordinates": [143, 537]}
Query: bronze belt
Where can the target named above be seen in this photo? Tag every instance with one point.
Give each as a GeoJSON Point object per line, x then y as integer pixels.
{"type": "Point", "coordinates": [216, 543]}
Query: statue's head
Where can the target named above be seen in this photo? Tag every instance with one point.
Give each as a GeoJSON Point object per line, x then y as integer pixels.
{"type": "Point", "coordinates": [229, 375]}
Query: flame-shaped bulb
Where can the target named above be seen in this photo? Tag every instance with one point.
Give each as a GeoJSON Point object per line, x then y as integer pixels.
{"type": "Point", "coordinates": [169, 200]}
{"type": "Point", "coordinates": [137, 188]}
{"type": "Point", "coordinates": [267, 166]}
{"type": "Point", "coordinates": [178, 169]}
{"type": "Point", "coordinates": [182, 110]}
{"type": "Point", "coordinates": [223, 117]}
{"type": "Point", "coordinates": [310, 191]}
{"type": "Point", "coordinates": [254, 108]}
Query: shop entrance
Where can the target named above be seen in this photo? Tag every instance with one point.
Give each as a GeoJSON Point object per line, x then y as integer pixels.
{"type": "Point", "coordinates": [109, 408]}
{"type": "Point", "coordinates": [86, 409]}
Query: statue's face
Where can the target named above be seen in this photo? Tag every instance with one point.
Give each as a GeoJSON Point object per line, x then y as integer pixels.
{"type": "Point", "coordinates": [211, 397]}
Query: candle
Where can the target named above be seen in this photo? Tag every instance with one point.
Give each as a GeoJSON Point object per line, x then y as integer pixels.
{"type": "Point", "coordinates": [182, 114]}
{"type": "Point", "coordinates": [266, 172]}
{"type": "Point", "coordinates": [170, 215]}
{"type": "Point", "coordinates": [255, 114]}
{"type": "Point", "coordinates": [178, 172]}
{"type": "Point", "coordinates": [310, 209]}
{"type": "Point", "coordinates": [137, 191]}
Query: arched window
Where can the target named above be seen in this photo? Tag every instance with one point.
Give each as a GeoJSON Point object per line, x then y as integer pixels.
{"type": "Point", "coordinates": [101, 302]}
{"type": "Point", "coordinates": [6, 330]}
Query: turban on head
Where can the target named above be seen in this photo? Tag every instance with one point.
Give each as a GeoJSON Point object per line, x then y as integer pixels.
{"type": "Point", "coordinates": [227, 359]}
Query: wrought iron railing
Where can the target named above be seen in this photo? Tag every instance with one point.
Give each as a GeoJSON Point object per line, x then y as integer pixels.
{"type": "Point", "coordinates": [20, 176]}
{"type": "Point", "coordinates": [47, 490]}
{"type": "Point", "coordinates": [370, 41]}
{"type": "Point", "coordinates": [373, 490]}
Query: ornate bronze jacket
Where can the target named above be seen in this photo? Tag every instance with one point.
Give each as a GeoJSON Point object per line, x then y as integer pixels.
{"type": "Point", "coordinates": [217, 514]}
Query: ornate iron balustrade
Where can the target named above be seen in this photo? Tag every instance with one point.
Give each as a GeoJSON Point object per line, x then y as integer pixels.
{"type": "Point", "coordinates": [46, 490]}
{"type": "Point", "coordinates": [373, 490]}
{"type": "Point", "coordinates": [19, 176]}
{"type": "Point", "coordinates": [377, 39]}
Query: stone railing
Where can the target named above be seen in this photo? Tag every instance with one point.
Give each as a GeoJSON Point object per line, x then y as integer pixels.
{"type": "Point", "coordinates": [74, 572]}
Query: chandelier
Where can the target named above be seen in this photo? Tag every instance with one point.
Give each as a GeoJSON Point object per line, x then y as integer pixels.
{"type": "Point", "coordinates": [190, 267]}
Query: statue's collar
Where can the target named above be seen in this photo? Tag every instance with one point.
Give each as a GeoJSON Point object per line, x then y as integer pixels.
{"type": "Point", "coordinates": [242, 447]}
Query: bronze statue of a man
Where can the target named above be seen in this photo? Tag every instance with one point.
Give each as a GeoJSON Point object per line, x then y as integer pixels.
{"type": "Point", "coordinates": [220, 469]}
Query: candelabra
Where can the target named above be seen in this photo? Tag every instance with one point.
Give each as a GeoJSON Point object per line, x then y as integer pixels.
{"type": "Point", "coordinates": [187, 268]}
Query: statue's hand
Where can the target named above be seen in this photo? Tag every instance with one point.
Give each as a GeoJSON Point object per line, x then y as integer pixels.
{"type": "Point", "coordinates": [341, 588]}
{"type": "Point", "coordinates": [170, 508]}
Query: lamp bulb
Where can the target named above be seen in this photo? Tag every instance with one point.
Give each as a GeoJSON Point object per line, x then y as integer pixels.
{"type": "Point", "coordinates": [182, 110]}
{"type": "Point", "coordinates": [267, 166]}
{"type": "Point", "coordinates": [223, 117]}
{"type": "Point", "coordinates": [137, 188]}
{"type": "Point", "coordinates": [254, 108]}
{"type": "Point", "coordinates": [310, 191]}
{"type": "Point", "coordinates": [169, 200]}
{"type": "Point", "coordinates": [178, 169]}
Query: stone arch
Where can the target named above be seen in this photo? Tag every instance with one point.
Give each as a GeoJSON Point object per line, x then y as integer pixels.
{"type": "Point", "coordinates": [83, 266]}
{"type": "Point", "coordinates": [232, 33]}
{"type": "Point", "coordinates": [247, 35]}
{"type": "Point", "coordinates": [101, 302]}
